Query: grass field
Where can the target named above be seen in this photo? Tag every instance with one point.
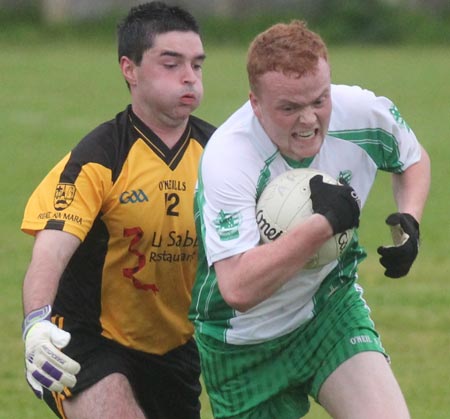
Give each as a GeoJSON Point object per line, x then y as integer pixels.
{"type": "Point", "coordinates": [53, 94]}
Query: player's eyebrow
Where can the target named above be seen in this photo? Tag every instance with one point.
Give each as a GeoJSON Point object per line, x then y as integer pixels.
{"type": "Point", "coordinates": [170, 53]}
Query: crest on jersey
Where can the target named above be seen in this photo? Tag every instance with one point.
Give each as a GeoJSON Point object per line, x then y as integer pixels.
{"type": "Point", "coordinates": [227, 225]}
{"type": "Point", "coordinates": [64, 194]}
{"type": "Point", "coordinates": [345, 176]}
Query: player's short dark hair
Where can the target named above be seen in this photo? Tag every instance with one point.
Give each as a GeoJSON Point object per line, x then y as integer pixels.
{"type": "Point", "coordinates": [137, 31]}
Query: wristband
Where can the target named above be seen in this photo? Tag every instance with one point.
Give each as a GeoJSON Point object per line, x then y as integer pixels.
{"type": "Point", "coordinates": [35, 316]}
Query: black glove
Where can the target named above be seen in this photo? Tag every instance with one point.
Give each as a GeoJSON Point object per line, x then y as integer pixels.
{"type": "Point", "coordinates": [338, 203]}
{"type": "Point", "coordinates": [397, 259]}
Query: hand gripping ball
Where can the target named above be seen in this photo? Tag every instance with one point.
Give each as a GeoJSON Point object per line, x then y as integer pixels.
{"type": "Point", "coordinates": [286, 202]}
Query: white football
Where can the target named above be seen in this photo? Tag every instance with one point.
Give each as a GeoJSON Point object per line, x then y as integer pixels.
{"type": "Point", "coordinates": [286, 202]}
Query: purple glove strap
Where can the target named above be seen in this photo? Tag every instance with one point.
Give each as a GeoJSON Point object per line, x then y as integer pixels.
{"type": "Point", "coordinates": [35, 316]}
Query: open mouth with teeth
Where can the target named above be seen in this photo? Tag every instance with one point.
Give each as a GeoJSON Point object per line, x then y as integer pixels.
{"type": "Point", "coordinates": [305, 135]}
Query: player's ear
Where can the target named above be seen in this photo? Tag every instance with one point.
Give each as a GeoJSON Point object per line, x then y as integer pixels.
{"type": "Point", "coordinates": [255, 104]}
{"type": "Point", "coordinates": [128, 68]}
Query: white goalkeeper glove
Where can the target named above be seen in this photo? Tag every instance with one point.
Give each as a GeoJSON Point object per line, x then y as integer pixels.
{"type": "Point", "coordinates": [46, 366]}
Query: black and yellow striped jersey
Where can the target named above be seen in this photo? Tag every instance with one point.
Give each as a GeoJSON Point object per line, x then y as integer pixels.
{"type": "Point", "coordinates": [129, 198]}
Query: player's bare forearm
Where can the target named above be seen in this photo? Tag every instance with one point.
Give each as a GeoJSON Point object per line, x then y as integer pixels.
{"type": "Point", "coordinates": [51, 252]}
{"type": "Point", "coordinates": [411, 187]}
{"type": "Point", "coordinates": [251, 277]}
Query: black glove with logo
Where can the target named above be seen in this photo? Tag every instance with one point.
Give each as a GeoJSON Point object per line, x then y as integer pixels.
{"type": "Point", "coordinates": [398, 258]}
{"type": "Point", "coordinates": [338, 203]}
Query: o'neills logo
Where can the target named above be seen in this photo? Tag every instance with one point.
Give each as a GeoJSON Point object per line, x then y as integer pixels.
{"type": "Point", "coordinates": [267, 230]}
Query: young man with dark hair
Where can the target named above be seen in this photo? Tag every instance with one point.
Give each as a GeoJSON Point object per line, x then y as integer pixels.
{"type": "Point", "coordinates": [107, 292]}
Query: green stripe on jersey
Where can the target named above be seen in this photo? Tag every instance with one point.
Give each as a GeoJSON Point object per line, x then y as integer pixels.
{"type": "Point", "coordinates": [381, 146]}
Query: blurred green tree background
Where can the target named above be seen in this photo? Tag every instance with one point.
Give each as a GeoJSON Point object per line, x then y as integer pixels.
{"type": "Point", "coordinates": [237, 21]}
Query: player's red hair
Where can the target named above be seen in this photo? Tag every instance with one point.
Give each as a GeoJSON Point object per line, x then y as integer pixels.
{"type": "Point", "coordinates": [288, 48]}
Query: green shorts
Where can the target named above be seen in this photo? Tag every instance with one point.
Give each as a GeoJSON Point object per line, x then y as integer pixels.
{"type": "Point", "coordinates": [274, 379]}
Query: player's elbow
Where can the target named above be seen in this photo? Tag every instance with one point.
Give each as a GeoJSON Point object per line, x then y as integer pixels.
{"type": "Point", "coordinates": [236, 297]}
{"type": "Point", "coordinates": [234, 284]}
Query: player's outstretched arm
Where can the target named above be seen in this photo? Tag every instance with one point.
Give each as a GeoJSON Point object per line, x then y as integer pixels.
{"type": "Point", "coordinates": [46, 366]}
{"type": "Point", "coordinates": [410, 191]}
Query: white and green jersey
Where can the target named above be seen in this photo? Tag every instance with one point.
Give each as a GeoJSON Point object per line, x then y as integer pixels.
{"type": "Point", "coordinates": [366, 134]}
